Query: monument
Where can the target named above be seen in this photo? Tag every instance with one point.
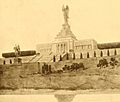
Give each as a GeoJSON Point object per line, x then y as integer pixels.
{"type": "Point", "coordinates": [17, 60]}
{"type": "Point", "coordinates": [65, 41]}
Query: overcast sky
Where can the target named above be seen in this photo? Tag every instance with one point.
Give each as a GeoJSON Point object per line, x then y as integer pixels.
{"type": "Point", "coordinates": [29, 22]}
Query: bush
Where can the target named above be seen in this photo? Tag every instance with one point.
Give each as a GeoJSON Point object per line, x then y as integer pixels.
{"type": "Point", "coordinates": [102, 63]}
{"type": "Point", "coordinates": [74, 66]}
{"type": "Point", "coordinates": [113, 61]}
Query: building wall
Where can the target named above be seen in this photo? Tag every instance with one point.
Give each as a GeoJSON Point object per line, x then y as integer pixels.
{"type": "Point", "coordinates": [60, 47]}
{"type": "Point", "coordinates": [44, 48]}
{"type": "Point", "coordinates": [98, 53]}
{"type": "Point", "coordinates": [83, 45]}
{"type": "Point", "coordinates": [63, 47]}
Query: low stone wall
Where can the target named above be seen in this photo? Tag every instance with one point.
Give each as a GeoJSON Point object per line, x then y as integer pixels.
{"type": "Point", "coordinates": [90, 54]}
{"type": "Point", "coordinates": [30, 68]}
{"type": "Point", "coordinates": [98, 53]}
{"type": "Point", "coordinates": [19, 69]}
{"type": "Point", "coordinates": [10, 74]}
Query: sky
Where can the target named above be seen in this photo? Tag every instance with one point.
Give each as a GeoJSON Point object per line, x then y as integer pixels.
{"type": "Point", "coordinates": [30, 22]}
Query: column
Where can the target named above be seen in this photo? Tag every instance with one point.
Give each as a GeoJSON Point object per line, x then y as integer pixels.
{"type": "Point", "coordinates": [61, 48]}
{"type": "Point", "coordinates": [57, 47]}
{"type": "Point", "coordinates": [64, 48]}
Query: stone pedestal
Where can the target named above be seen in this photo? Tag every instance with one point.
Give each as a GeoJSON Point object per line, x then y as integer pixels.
{"type": "Point", "coordinates": [17, 60]}
{"type": "Point", "coordinates": [65, 37]}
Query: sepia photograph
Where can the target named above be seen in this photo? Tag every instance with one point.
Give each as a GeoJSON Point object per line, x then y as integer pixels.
{"type": "Point", "coordinates": [59, 50]}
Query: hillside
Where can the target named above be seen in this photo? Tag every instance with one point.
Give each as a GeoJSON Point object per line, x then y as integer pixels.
{"type": "Point", "coordinates": [91, 78]}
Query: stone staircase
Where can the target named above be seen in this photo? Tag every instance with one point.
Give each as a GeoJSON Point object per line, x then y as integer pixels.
{"type": "Point", "coordinates": [25, 59]}
{"type": "Point", "coordinates": [42, 58]}
{"type": "Point", "coordinates": [57, 56]}
{"type": "Point", "coordinates": [33, 58]}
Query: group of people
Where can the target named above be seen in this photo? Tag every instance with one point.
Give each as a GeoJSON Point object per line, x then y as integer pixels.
{"type": "Point", "coordinates": [46, 69]}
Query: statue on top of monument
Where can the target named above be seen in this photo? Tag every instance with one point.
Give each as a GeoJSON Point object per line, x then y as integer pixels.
{"type": "Point", "coordinates": [65, 13]}
{"type": "Point", "coordinates": [17, 50]}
